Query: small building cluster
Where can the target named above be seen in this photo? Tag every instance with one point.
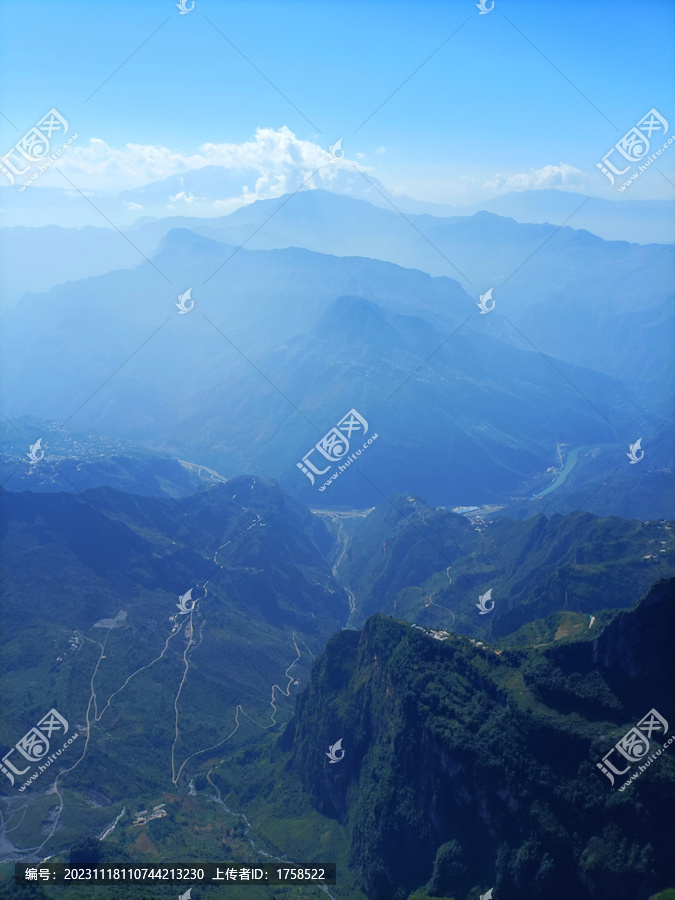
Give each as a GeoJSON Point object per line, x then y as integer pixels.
{"type": "Point", "coordinates": [142, 817]}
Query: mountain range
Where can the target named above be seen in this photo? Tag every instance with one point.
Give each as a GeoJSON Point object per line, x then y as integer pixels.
{"type": "Point", "coordinates": [282, 343]}
{"type": "Point", "coordinates": [469, 740]}
{"type": "Point", "coordinates": [431, 566]}
{"type": "Point", "coordinates": [340, 529]}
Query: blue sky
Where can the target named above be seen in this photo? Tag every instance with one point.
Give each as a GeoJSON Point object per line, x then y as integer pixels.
{"type": "Point", "coordinates": [487, 103]}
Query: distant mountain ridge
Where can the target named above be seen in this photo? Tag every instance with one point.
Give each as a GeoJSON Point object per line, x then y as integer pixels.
{"type": "Point", "coordinates": [639, 221]}
{"type": "Point", "coordinates": [428, 370]}
{"type": "Point", "coordinates": [74, 460]}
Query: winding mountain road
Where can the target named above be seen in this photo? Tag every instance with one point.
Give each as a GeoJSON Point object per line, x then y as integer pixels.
{"type": "Point", "coordinates": [93, 715]}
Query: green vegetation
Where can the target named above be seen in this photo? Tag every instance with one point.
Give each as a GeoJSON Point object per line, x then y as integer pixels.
{"type": "Point", "coordinates": [466, 765]}
{"type": "Point", "coordinates": [464, 768]}
{"type": "Point", "coordinates": [430, 566]}
{"type": "Point", "coordinates": [271, 604]}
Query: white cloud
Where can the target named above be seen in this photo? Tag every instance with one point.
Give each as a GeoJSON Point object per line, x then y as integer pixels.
{"type": "Point", "coordinates": [181, 195]}
{"type": "Point", "coordinates": [562, 176]}
{"type": "Point", "coordinates": [276, 159]}
{"type": "Point", "coordinates": [133, 206]}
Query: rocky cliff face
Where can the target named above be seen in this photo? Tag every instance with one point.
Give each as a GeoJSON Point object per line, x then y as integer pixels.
{"type": "Point", "coordinates": [457, 777]}
{"type": "Point", "coordinates": [633, 654]}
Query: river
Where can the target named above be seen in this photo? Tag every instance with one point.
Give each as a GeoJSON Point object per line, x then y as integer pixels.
{"type": "Point", "coordinates": [570, 463]}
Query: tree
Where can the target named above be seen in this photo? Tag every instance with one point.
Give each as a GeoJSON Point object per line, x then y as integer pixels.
{"type": "Point", "coordinates": [85, 852]}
